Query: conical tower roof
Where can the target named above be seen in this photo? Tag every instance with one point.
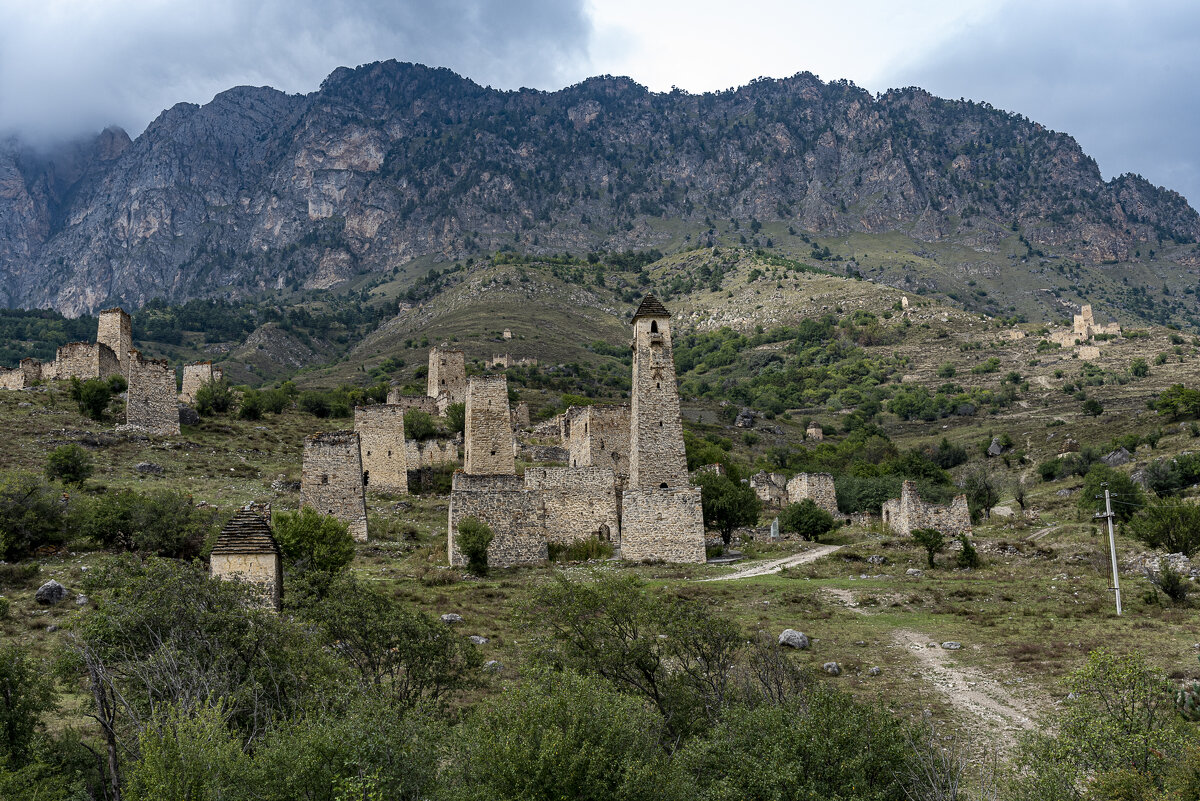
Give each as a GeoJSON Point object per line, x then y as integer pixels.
{"type": "Point", "coordinates": [651, 307]}
{"type": "Point", "coordinates": [246, 533]}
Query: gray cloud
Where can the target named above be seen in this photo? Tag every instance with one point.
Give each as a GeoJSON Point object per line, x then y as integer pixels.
{"type": "Point", "coordinates": [1121, 77]}
{"type": "Point", "coordinates": [72, 68]}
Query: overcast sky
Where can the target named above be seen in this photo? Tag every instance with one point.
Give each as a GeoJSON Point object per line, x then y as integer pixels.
{"type": "Point", "coordinates": [1122, 77]}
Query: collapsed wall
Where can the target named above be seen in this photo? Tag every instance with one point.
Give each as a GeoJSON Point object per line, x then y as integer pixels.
{"type": "Point", "coordinates": [27, 373]}
{"type": "Point", "coordinates": [331, 479]}
{"type": "Point", "coordinates": [816, 487]}
{"type": "Point", "coordinates": [599, 437]}
{"type": "Point", "coordinates": [422, 403]}
{"type": "Point", "coordinates": [906, 514]}
{"type": "Point", "coordinates": [151, 404]}
{"type": "Point", "coordinates": [430, 453]}
{"type": "Point", "coordinates": [195, 376]}
{"type": "Point", "coordinates": [771, 488]}
{"type": "Point", "coordinates": [86, 360]}
{"type": "Point", "coordinates": [488, 436]}
{"type": "Point", "coordinates": [384, 450]}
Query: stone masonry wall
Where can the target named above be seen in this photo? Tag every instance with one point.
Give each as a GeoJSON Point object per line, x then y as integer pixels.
{"type": "Point", "coordinates": [151, 404]}
{"type": "Point", "coordinates": [907, 513]}
{"type": "Point", "coordinates": [656, 455]}
{"type": "Point", "coordinates": [381, 438]}
{"type": "Point", "coordinates": [422, 403]}
{"type": "Point", "coordinates": [817, 487]}
{"type": "Point", "coordinates": [116, 331]}
{"type": "Point", "coordinates": [488, 433]}
{"type": "Point", "coordinates": [520, 416]}
{"type": "Point", "coordinates": [512, 513]}
{"type": "Point", "coordinates": [195, 376]}
{"type": "Point", "coordinates": [86, 360]}
{"type": "Point", "coordinates": [600, 438]}
{"type": "Point", "coordinates": [331, 479]}
{"type": "Point", "coordinates": [430, 453]}
{"type": "Point", "coordinates": [262, 571]}
{"type": "Point", "coordinates": [666, 524]}
{"type": "Point", "coordinates": [576, 503]}
{"type": "Point", "coordinates": [447, 375]}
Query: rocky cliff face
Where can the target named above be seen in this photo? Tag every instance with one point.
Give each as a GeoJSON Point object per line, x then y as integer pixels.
{"type": "Point", "coordinates": [389, 162]}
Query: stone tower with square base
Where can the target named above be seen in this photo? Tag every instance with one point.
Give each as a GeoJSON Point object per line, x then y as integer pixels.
{"type": "Point", "coordinates": [116, 331]}
{"type": "Point", "coordinates": [331, 479]}
{"type": "Point", "coordinates": [661, 513]}
{"type": "Point", "coordinates": [487, 433]}
{"type": "Point", "coordinates": [384, 451]}
{"type": "Point", "coordinates": [151, 404]}
{"type": "Point", "coordinates": [447, 375]}
{"type": "Point", "coordinates": [246, 551]}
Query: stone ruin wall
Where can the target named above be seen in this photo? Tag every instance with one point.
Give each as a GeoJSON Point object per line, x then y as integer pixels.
{"type": "Point", "coordinates": [815, 433]}
{"type": "Point", "coordinates": [907, 513]}
{"type": "Point", "coordinates": [115, 330]}
{"type": "Point", "coordinates": [380, 431]}
{"type": "Point", "coordinates": [87, 360]}
{"type": "Point", "coordinates": [422, 403]}
{"type": "Point", "coordinates": [549, 429]}
{"type": "Point", "coordinates": [576, 503]}
{"type": "Point", "coordinates": [488, 436]}
{"type": "Point", "coordinates": [261, 570]}
{"type": "Point", "coordinates": [1089, 352]}
{"type": "Point", "coordinates": [771, 488]}
{"type": "Point", "coordinates": [151, 404]}
{"type": "Point", "coordinates": [331, 479]}
{"type": "Point", "coordinates": [430, 453]}
{"type": "Point", "coordinates": [194, 377]}
{"type": "Point", "coordinates": [599, 437]}
{"type": "Point", "coordinates": [28, 372]}
{"type": "Point", "coordinates": [520, 416]}
{"type": "Point", "coordinates": [666, 524]}
{"type": "Point", "coordinates": [447, 375]}
{"type": "Point", "coordinates": [817, 487]}
{"type": "Point", "coordinates": [656, 453]}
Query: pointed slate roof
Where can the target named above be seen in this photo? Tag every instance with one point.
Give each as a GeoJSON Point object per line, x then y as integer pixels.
{"type": "Point", "coordinates": [246, 533]}
{"type": "Point", "coordinates": [651, 307]}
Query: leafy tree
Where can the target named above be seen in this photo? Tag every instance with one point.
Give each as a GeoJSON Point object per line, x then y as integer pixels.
{"type": "Point", "coordinates": [456, 418]}
{"type": "Point", "coordinates": [1178, 403]}
{"type": "Point", "coordinates": [419, 425]}
{"type": "Point", "coordinates": [315, 403]}
{"type": "Point", "coordinates": [1164, 477]}
{"type": "Point", "coordinates": [948, 455]}
{"type": "Point", "coordinates": [161, 522]}
{"type": "Point", "coordinates": [1170, 525]}
{"type": "Point", "coordinates": [727, 503]}
{"type": "Point", "coordinates": [69, 464]}
{"type": "Point", "coordinates": [30, 515]}
{"type": "Point", "coordinates": [982, 488]}
{"type": "Point", "coordinates": [1092, 407]}
{"type": "Point", "coordinates": [1129, 494]}
{"type": "Point", "coordinates": [968, 557]}
{"type": "Point", "coordinates": [805, 519]}
{"type": "Point", "coordinates": [1138, 368]}
{"type": "Point", "coordinates": [214, 396]}
{"type": "Point", "coordinates": [474, 537]}
{"type": "Point", "coordinates": [251, 406]}
{"type": "Point", "coordinates": [932, 540]}
{"type": "Point", "coordinates": [25, 695]}
{"type": "Point", "coordinates": [187, 756]}
{"type": "Point", "coordinates": [311, 541]}
{"type": "Point", "coordinates": [92, 396]}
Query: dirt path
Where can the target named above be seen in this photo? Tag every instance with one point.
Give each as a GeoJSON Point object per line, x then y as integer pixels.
{"type": "Point", "coordinates": [968, 689]}
{"type": "Point", "coordinates": [775, 565]}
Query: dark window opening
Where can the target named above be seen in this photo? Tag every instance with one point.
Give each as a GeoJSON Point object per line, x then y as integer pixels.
{"type": "Point", "coordinates": [366, 477]}
{"type": "Point", "coordinates": [662, 485]}
{"type": "Point", "coordinates": [654, 326]}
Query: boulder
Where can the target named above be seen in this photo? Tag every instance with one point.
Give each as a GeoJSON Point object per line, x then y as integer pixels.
{"type": "Point", "coordinates": [478, 640]}
{"type": "Point", "coordinates": [912, 571]}
{"type": "Point", "coordinates": [81, 600]}
{"type": "Point", "coordinates": [149, 468]}
{"type": "Point", "coordinates": [1117, 458]}
{"type": "Point", "coordinates": [995, 449]}
{"type": "Point", "coordinates": [745, 419]}
{"type": "Point", "coordinates": [188, 416]}
{"type": "Point", "coordinates": [452, 619]}
{"type": "Point", "coordinates": [50, 593]}
{"type": "Point", "coordinates": [832, 668]}
{"type": "Point", "coordinates": [873, 671]}
{"type": "Point", "coordinates": [492, 666]}
{"type": "Point", "coordinates": [952, 646]}
{"type": "Point", "coordinates": [790, 638]}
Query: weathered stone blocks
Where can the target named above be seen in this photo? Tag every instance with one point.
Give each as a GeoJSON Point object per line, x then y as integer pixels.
{"type": "Point", "coordinates": [447, 375]}
{"type": "Point", "coordinates": [907, 513]}
{"type": "Point", "coordinates": [666, 524]}
{"type": "Point", "coordinates": [246, 551]}
{"type": "Point", "coordinates": [817, 487]}
{"type": "Point", "coordinates": [331, 479]}
{"type": "Point", "coordinates": [488, 436]}
{"type": "Point", "coordinates": [195, 376]}
{"type": "Point", "coordinates": [115, 330]}
{"type": "Point", "coordinates": [151, 404]}
{"type": "Point", "coordinates": [599, 437]}
{"type": "Point", "coordinates": [384, 450]}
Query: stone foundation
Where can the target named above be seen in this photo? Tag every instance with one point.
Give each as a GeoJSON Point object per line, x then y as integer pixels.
{"type": "Point", "coordinates": [666, 524]}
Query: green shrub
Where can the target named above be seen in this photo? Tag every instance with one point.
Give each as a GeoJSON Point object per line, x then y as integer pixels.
{"type": "Point", "coordinates": [92, 396]}
{"type": "Point", "coordinates": [4, 608]}
{"type": "Point", "coordinates": [14, 577]}
{"type": "Point", "coordinates": [160, 522]}
{"type": "Point", "coordinates": [805, 519]}
{"type": "Point", "coordinates": [1173, 584]}
{"type": "Point", "coordinates": [932, 540]}
{"type": "Point", "coordinates": [314, 403]}
{"type": "Point", "coordinates": [1091, 497]}
{"type": "Point", "coordinates": [251, 407]}
{"type": "Point", "coordinates": [968, 557]}
{"type": "Point", "coordinates": [1171, 525]}
{"type": "Point", "coordinates": [727, 503]}
{"type": "Point", "coordinates": [419, 425]}
{"type": "Point", "coordinates": [214, 397]}
{"type": "Point", "coordinates": [579, 551]}
{"type": "Point", "coordinates": [69, 464]}
{"type": "Point", "coordinates": [26, 693]}
{"type": "Point", "coordinates": [947, 370]}
{"type": "Point", "coordinates": [456, 418]}
{"type": "Point", "coordinates": [117, 384]}
{"type": "Point", "coordinates": [474, 537]}
{"type": "Point", "coordinates": [31, 515]}
{"type": "Point", "coordinates": [1138, 368]}
{"type": "Point", "coordinates": [311, 541]}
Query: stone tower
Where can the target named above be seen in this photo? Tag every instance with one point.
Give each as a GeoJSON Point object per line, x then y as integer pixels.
{"type": "Point", "coordinates": [447, 375]}
{"type": "Point", "coordinates": [656, 456]}
{"type": "Point", "coordinates": [331, 479]}
{"type": "Point", "coordinates": [116, 331]}
{"type": "Point", "coordinates": [384, 452]}
{"type": "Point", "coordinates": [487, 435]}
{"type": "Point", "coordinates": [246, 551]}
{"type": "Point", "coordinates": [151, 403]}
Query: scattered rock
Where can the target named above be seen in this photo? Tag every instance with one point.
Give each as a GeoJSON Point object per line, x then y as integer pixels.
{"type": "Point", "coordinates": [279, 485]}
{"type": "Point", "coordinates": [478, 640]}
{"type": "Point", "coordinates": [53, 627]}
{"type": "Point", "coordinates": [995, 449]}
{"type": "Point", "coordinates": [188, 416]}
{"type": "Point", "coordinates": [951, 645]}
{"type": "Point", "coordinates": [745, 419]}
{"type": "Point", "coordinates": [832, 668]}
{"type": "Point", "coordinates": [790, 638]}
{"type": "Point", "coordinates": [50, 593]}
{"type": "Point", "coordinates": [81, 600]}
{"type": "Point", "coordinates": [452, 618]}
{"type": "Point", "coordinates": [1066, 493]}
{"type": "Point", "coordinates": [1118, 457]}
{"type": "Point", "coordinates": [912, 571]}
{"type": "Point", "coordinates": [492, 666]}
{"type": "Point", "coordinates": [877, 559]}
{"type": "Point", "coordinates": [149, 467]}
{"type": "Point", "coordinates": [873, 671]}
{"type": "Point", "coordinates": [24, 405]}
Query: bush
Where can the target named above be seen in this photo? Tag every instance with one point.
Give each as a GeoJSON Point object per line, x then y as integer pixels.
{"type": "Point", "coordinates": [1169, 525]}
{"type": "Point", "coordinates": [25, 695]}
{"type": "Point", "coordinates": [69, 464]}
{"type": "Point", "coordinates": [117, 384]}
{"type": "Point", "coordinates": [275, 401]}
{"type": "Point", "coordinates": [160, 522]}
{"type": "Point", "coordinates": [579, 551]}
{"type": "Point", "coordinates": [727, 503]}
{"type": "Point", "coordinates": [92, 396]}
{"type": "Point", "coordinates": [314, 403]}
{"type": "Point", "coordinates": [251, 407]}
{"type": "Point", "coordinates": [947, 370]}
{"type": "Point", "coordinates": [805, 519]}
{"type": "Point", "coordinates": [474, 537]}
{"type": "Point", "coordinates": [1092, 407]}
{"type": "Point", "coordinates": [932, 540]}
{"type": "Point", "coordinates": [1174, 585]}
{"type": "Point", "coordinates": [1091, 497]}
{"type": "Point", "coordinates": [311, 541]}
{"type": "Point", "coordinates": [30, 515]}
{"type": "Point", "coordinates": [968, 557]}
{"type": "Point", "coordinates": [1138, 368]}
{"type": "Point", "coordinates": [419, 425]}
{"type": "Point", "coordinates": [456, 418]}
{"type": "Point", "coordinates": [214, 397]}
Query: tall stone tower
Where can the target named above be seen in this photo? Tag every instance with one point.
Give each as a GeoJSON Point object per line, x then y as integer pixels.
{"type": "Point", "coordinates": [116, 331]}
{"type": "Point", "coordinates": [331, 479]}
{"type": "Point", "coordinates": [661, 514]}
{"type": "Point", "coordinates": [447, 375]}
{"type": "Point", "coordinates": [380, 430]}
{"type": "Point", "coordinates": [656, 455]}
{"type": "Point", "coordinates": [487, 434]}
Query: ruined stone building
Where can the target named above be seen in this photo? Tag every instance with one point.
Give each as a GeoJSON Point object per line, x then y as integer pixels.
{"type": "Point", "coordinates": [504, 361]}
{"type": "Point", "coordinates": [27, 373]}
{"type": "Point", "coordinates": [488, 437]}
{"type": "Point", "coordinates": [599, 437]}
{"type": "Point", "coordinates": [384, 449]}
{"type": "Point", "coordinates": [661, 516]}
{"type": "Point", "coordinates": [246, 551]}
{"type": "Point", "coordinates": [331, 479]}
{"type": "Point", "coordinates": [908, 513]}
{"type": "Point", "coordinates": [86, 360]}
{"type": "Point", "coordinates": [447, 379]}
{"type": "Point", "coordinates": [520, 416]}
{"type": "Point", "coordinates": [814, 432]}
{"type": "Point", "coordinates": [115, 330]}
{"type": "Point", "coordinates": [422, 403]}
{"type": "Point", "coordinates": [431, 453]}
{"type": "Point", "coordinates": [816, 487]}
{"type": "Point", "coordinates": [151, 404]}
{"type": "Point", "coordinates": [195, 376]}
{"type": "Point", "coordinates": [771, 488]}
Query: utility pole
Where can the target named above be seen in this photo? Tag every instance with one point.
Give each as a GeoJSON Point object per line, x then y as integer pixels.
{"type": "Point", "coordinates": [1112, 543]}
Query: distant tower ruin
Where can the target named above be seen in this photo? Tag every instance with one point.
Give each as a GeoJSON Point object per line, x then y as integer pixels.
{"type": "Point", "coordinates": [447, 376]}
{"type": "Point", "coordinates": [116, 331]}
{"type": "Point", "coordinates": [661, 512]}
{"type": "Point", "coordinates": [246, 551]}
{"type": "Point", "coordinates": [487, 433]}
{"type": "Point", "coordinates": [151, 403]}
{"type": "Point", "coordinates": [384, 453]}
{"type": "Point", "coordinates": [195, 376]}
{"type": "Point", "coordinates": [331, 479]}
